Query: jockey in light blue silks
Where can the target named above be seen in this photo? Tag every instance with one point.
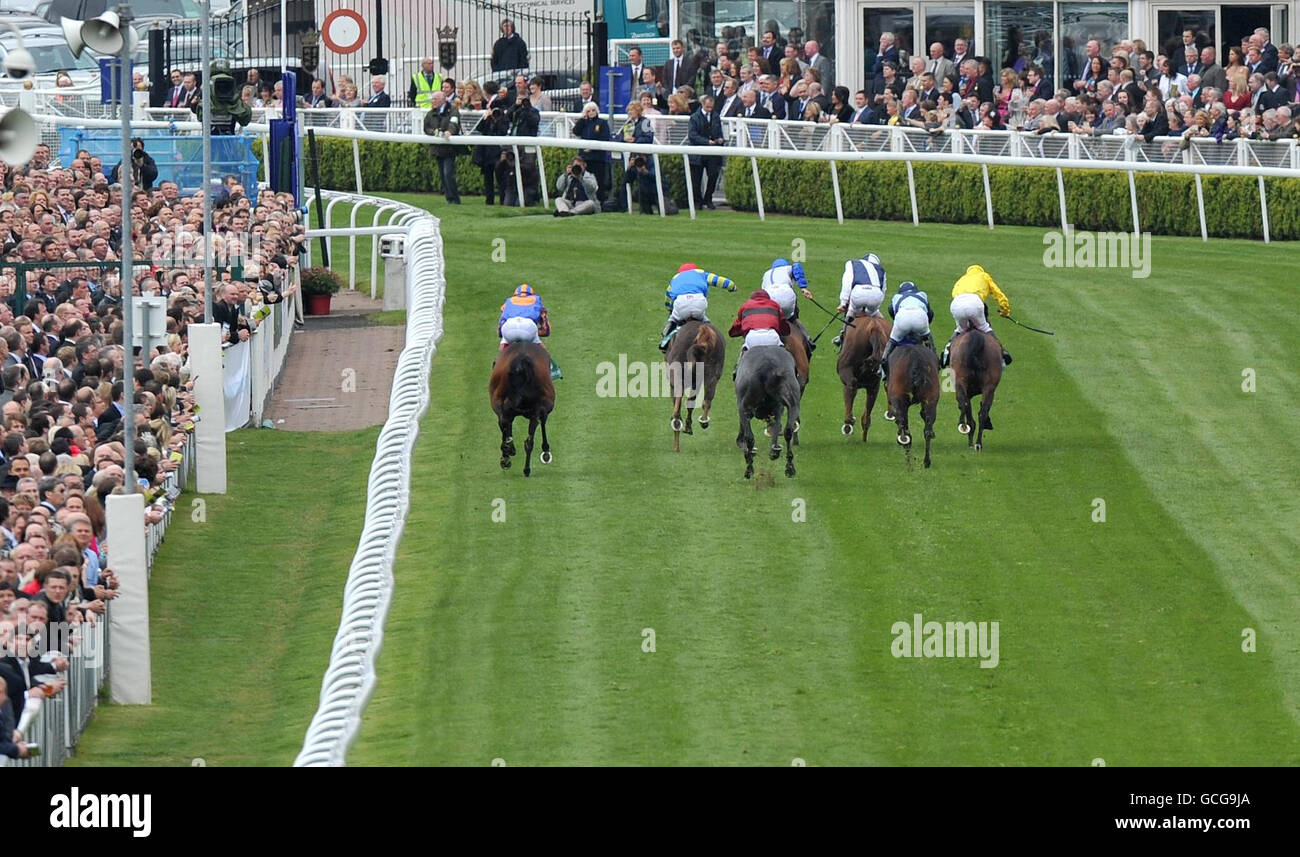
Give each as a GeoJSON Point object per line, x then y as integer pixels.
{"type": "Point", "coordinates": [910, 310]}
{"type": "Point", "coordinates": [862, 289]}
{"type": "Point", "coordinates": [687, 298]}
{"type": "Point", "coordinates": [524, 319]}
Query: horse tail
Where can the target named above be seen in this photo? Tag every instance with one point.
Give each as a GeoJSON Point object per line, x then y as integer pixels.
{"type": "Point", "coordinates": [916, 374]}
{"type": "Point", "coordinates": [706, 339]}
{"type": "Point", "coordinates": [974, 358]}
{"type": "Point", "coordinates": [521, 374]}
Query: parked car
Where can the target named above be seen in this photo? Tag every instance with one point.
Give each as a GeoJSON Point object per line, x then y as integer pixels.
{"type": "Point", "coordinates": [49, 49]}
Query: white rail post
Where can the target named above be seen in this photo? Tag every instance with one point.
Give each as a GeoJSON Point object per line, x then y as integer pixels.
{"type": "Point", "coordinates": [352, 245]}
{"type": "Point", "coordinates": [541, 178]}
{"type": "Point", "coordinates": [1133, 202]}
{"type": "Point", "coordinates": [356, 162]}
{"type": "Point", "coordinates": [758, 189]}
{"type": "Point", "coordinates": [988, 194]}
{"type": "Point", "coordinates": [374, 249]}
{"type": "Point", "coordinates": [835, 185]}
{"type": "Point", "coordinates": [519, 177]}
{"type": "Point", "coordinates": [1263, 208]}
{"type": "Point", "coordinates": [329, 221]}
{"type": "Point", "coordinates": [911, 192]}
{"type": "Point", "coordinates": [659, 186]}
{"type": "Point", "coordinates": [1060, 194]}
{"type": "Point", "coordinates": [690, 185]}
{"type": "Point", "coordinates": [129, 662]}
{"type": "Point", "coordinates": [1200, 207]}
{"type": "Point", "coordinates": [627, 186]}
{"type": "Point", "coordinates": [210, 396]}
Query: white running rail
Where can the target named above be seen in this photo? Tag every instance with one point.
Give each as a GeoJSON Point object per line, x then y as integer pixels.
{"type": "Point", "coordinates": [350, 678]}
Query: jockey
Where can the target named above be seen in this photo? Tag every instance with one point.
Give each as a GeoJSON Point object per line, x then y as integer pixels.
{"type": "Point", "coordinates": [779, 282]}
{"type": "Point", "coordinates": [862, 289]}
{"type": "Point", "coordinates": [910, 310]}
{"type": "Point", "coordinates": [523, 318]}
{"type": "Point", "coordinates": [687, 296]}
{"type": "Point", "coordinates": [969, 309]}
{"type": "Point", "coordinates": [760, 321]}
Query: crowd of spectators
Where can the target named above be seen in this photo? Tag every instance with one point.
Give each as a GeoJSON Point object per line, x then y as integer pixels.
{"type": "Point", "coordinates": [62, 367]}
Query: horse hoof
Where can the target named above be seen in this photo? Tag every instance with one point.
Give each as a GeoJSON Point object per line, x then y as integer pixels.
{"type": "Point", "coordinates": [789, 470]}
{"type": "Point", "coordinates": [978, 446]}
{"type": "Point", "coordinates": [546, 457]}
{"type": "Point", "coordinates": [775, 452]}
{"type": "Point", "coordinates": [687, 429]}
{"type": "Point", "coordinates": [505, 464]}
{"type": "Point", "coordinates": [846, 429]}
{"type": "Point", "coordinates": [964, 428]}
{"type": "Point", "coordinates": [796, 427]}
{"type": "Point", "coordinates": [904, 440]}
{"type": "Point", "coordinates": [749, 472]}
{"type": "Point", "coordinates": [704, 423]}
{"type": "Point", "coordinates": [528, 472]}
{"type": "Point", "coordinates": [676, 424]}
{"type": "Point", "coordinates": [889, 415]}
{"type": "Point", "coordinates": [927, 462]}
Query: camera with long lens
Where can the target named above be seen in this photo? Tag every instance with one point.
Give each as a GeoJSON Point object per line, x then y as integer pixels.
{"type": "Point", "coordinates": [227, 107]}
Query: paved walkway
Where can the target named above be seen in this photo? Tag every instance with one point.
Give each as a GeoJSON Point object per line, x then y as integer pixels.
{"type": "Point", "coordinates": [339, 370]}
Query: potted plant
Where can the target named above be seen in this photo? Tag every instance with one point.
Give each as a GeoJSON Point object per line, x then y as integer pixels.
{"type": "Point", "coordinates": [318, 286]}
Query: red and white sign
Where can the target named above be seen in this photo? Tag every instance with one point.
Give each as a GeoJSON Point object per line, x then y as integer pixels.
{"type": "Point", "coordinates": [344, 31]}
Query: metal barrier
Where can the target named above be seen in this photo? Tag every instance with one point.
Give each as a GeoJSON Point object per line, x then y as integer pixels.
{"type": "Point", "coordinates": [350, 678]}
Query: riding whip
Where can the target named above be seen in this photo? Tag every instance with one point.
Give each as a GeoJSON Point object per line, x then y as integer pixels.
{"type": "Point", "coordinates": [829, 323]}
{"type": "Point", "coordinates": [1034, 329]}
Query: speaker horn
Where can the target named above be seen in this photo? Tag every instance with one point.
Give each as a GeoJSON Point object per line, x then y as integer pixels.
{"type": "Point", "coordinates": [103, 34]}
{"type": "Point", "coordinates": [18, 137]}
{"type": "Point", "coordinates": [72, 32]}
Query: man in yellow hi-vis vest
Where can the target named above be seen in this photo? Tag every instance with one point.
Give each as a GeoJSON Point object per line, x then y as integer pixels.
{"type": "Point", "coordinates": [424, 83]}
{"type": "Point", "coordinates": [969, 310]}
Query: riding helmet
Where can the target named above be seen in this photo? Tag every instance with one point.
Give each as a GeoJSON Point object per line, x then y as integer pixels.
{"type": "Point", "coordinates": [524, 291]}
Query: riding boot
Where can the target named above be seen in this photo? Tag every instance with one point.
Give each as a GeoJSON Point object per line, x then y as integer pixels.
{"type": "Point", "coordinates": [943, 358]}
{"type": "Point", "coordinates": [812, 346]}
{"type": "Point", "coordinates": [839, 340]}
{"type": "Point", "coordinates": [667, 335]}
{"type": "Point", "coordinates": [884, 360]}
{"type": "Point", "coordinates": [1006, 357]}
{"type": "Point", "coordinates": [928, 339]}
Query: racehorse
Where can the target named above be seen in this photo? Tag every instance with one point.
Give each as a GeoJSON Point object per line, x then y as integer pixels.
{"type": "Point", "coordinates": [913, 378]}
{"type": "Point", "coordinates": [766, 384]}
{"type": "Point", "coordinates": [859, 366]}
{"type": "Point", "coordinates": [796, 342]}
{"type": "Point", "coordinates": [695, 357]}
{"type": "Point", "coordinates": [977, 369]}
{"type": "Point", "coordinates": [521, 387]}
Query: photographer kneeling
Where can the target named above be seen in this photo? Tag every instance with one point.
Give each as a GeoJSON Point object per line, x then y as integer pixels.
{"type": "Point", "coordinates": [577, 189]}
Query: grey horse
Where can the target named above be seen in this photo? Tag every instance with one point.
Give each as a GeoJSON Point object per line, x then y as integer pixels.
{"type": "Point", "coordinates": [766, 384]}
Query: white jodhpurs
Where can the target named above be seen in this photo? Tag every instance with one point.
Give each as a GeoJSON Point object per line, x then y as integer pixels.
{"type": "Point", "coordinates": [910, 321]}
{"type": "Point", "coordinates": [687, 307]}
{"type": "Point", "coordinates": [784, 296]}
{"type": "Point", "coordinates": [519, 329]}
{"type": "Point", "coordinates": [865, 300]}
{"type": "Point", "coordinates": [968, 313]}
{"type": "Point", "coordinates": [759, 338]}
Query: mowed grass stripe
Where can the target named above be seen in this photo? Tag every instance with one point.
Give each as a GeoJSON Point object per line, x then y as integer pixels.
{"type": "Point", "coordinates": [1105, 636]}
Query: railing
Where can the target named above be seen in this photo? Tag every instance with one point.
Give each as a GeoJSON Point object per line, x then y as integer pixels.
{"type": "Point", "coordinates": [55, 723]}
{"type": "Point", "coordinates": [268, 347]}
{"type": "Point", "coordinates": [397, 218]}
{"type": "Point", "coordinates": [350, 678]}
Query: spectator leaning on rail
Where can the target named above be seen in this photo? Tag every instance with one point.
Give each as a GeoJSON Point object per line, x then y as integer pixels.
{"type": "Point", "coordinates": [591, 126]}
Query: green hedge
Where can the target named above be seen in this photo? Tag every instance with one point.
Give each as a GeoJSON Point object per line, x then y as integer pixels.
{"type": "Point", "coordinates": [1026, 196]}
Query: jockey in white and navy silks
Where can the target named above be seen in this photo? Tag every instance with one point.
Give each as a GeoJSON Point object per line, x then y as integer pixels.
{"type": "Point", "coordinates": [780, 280]}
{"type": "Point", "coordinates": [687, 298]}
{"type": "Point", "coordinates": [910, 310]}
{"type": "Point", "coordinates": [862, 289]}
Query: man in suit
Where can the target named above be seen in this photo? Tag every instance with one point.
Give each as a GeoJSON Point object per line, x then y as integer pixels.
{"type": "Point", "coordinates": [378, 97]}
{"type": "Point", "coordinates": [1191, 62]}
{"type": "Point", "coordinates": [731, 102]}
{"type": "Point", "coordinates": [175, 93]}
{"type": "Point", "coordinates": [1039, 87]}
{"type": "Point", "coordinates": [111, 419]}
{"type": "Point", "coordinates": [1271, 95]}
{"type": "Point", "coordinates": [1255, 61]}
{"type": "Point", "coordinates": [909, 113]}
{"type": "Point", "coordinates": [771, 100]}
{"type": "Point", "coordinates": [635, 63]}
{"type": "Point", "coordinates": [959, 56]}
{"type": "Point", "coordinates": [317, 98]}
{"type": "Point", "coordinates": [680, 69]}
{"type": "Point", "coordinates": [928, 90]}
{"type": "Point", "coordinates": [861, 109]}
{"type": "Point", "coordinates": [824, 66]}
{"type": "Point", "coordinates": [968, 113]}
{"type": "Point", "coordinates": [1157, 120]}
{"type": "Point", "coordinates": [984, 82]}
{"type": "Point", "coordinates": [21, 666]}
{"type": "Point", "coordinates": [1266, 46]}
{"type": "Point", "coordinates": [717, 85]}
{"type": "Point", "coordinates": [8, 719]}
{"type": "Point", "coordinates": [770, 51]}
{"type": "Point", "coordinates": [228, 310]}
{"type": "Point", "coordinates": [751, 108]}
{"type": "Point", "coordinates": [705, 129]}
{"type": "Point", "coordinates": [938, 64]}
{"type": "Point", "coordinates": [968, 79]}
{"type": "Point", "coordinates": [792, 53]}
{"type": "Point", "coordinates": [885, 82]}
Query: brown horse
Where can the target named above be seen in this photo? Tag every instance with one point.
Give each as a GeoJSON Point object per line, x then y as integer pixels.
{"type": "Point", "coordinates": [796, 342]}
{"type": "Point", "coordinates": [977, 370]}
{"type": "Point", "coordinates": [694, 361]}
{"type": "Point", "coordinates": [913, 378]}
{"type": "Point", "coordinates": [521, 387]}
{"type": "Point", "coordinates": [859, 366]}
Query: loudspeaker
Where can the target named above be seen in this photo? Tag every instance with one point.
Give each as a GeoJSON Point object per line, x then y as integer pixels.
{"type": "Point", "coordinates": [72, 32]}
{"type": "Point", "coordinates": [103, 34]}
{"type": "Point", "coordinates": [18, 137]}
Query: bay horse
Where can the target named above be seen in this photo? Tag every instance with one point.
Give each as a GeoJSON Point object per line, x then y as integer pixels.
{"type": "Point", "coordinates": [976, 370]}
{"type": "Point", "coordinates": [796, 342]}
{"type": "Point", "coordinates": [913, 379]}
{"type": "Point", "coordinates": [859, 366]}
{"type": "Point", "coordinates": [694, 359]}
{"type": "Point", "coordinates": [521, 386]}
{"type": "Point", "coordinates": [766, 385]}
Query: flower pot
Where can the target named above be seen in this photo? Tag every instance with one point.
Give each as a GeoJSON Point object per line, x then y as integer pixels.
{"type": "Point", "coordinates": [318, 304]}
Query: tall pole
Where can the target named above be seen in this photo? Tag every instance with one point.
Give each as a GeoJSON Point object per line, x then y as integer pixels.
{"type": "Point", "coordinates": [284, 38]}
{"type": "Point", "coordinates": [128, 257]}
{"type": "Point", "coordinates": [206, 102]}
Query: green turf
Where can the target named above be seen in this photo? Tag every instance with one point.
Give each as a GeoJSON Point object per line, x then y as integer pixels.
{"type": "Point", "coordinates": [1118, 640]}
{"type": "Point", "coordinates": [244, 604]}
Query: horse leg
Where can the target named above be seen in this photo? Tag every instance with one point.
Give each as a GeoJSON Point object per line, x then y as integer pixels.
{"type": "Point", "coordinates": [986, 424]}
{"type": "Point", "coordinates": [899, 407]}
{"type": "Point", "coordinates": [546, 444]}
{"type": "Point", "coordinates": [928, 411]}
{"type": "Point", "coordinates": [873, 390]}
{"type": "Point", "coordinates": [791, 433]}
{"type": "Point", "coordinates": [745, 440]}
{"type": "Point", "coordinates": [528, 446]}
{"type": "Point", "coordinates": [676, 423]}
{"type": "Point", "coordinates": [965, 423]}
{"type": "Point", "coordinates": [850, 393]}
{"type": "Point", "coordinates": [507, 442]}
{"type": "Point", "coordinates": [774, 429]}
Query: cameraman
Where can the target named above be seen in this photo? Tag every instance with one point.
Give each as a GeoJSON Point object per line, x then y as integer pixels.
{"type": "Point", "coordinates": [493, 124]}
{"type": "Point", "coordinates": [144, 170]}
{"type": "Point", "coordinates": [523, 121]}
{"type": "Point", "coordinates": [577, 190]}
{"type": "Point", "coordinates": [591, 127]}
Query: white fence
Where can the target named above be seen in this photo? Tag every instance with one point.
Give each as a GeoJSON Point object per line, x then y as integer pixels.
{"type": "Point", "coordinates": [350, 678]}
